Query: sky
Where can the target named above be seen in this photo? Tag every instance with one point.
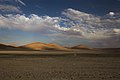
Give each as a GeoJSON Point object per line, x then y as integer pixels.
{"type": "Point", "coordinates": [95, 23]}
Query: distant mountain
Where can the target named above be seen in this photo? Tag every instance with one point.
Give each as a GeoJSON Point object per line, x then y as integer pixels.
{"type": "Point", "coordinates": [80, 47]}
{"type": "Point", "coordinates": [44, 46]}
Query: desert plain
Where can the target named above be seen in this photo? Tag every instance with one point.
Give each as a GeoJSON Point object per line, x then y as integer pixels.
{"type": "Point", "coordinates": [60, 65]}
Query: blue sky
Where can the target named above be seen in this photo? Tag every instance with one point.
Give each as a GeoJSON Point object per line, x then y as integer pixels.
{"type": "Point", "coordinates": [54, 7]}
{"type": "Point", "coordinates": [95, 23]}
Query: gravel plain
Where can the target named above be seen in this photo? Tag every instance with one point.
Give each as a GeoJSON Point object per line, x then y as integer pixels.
{"type": "Point", "coordinates": [59, 67]}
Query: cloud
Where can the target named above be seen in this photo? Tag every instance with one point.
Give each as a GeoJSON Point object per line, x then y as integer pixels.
{"type": "Point", "coordinates": [13, 1]}
{"type": "Point", "coordinates": [79, 16]}
{"type": "Point", "coordinates": [75, 24]}
{"type": "Point", "coordinates": [34, 23]}
{"type": "Point", "coordinates": [90, 26]}
{"type": "Point", "coordinates": [9, 8]}
{"type": "Point", "coordinates": [111, 13]}
{"type": "Point", "coordinates": [101, 30]}
{"type": "Point", "coordinates": [21, 2]}
{"type": "Point", "coordinates": [117, 31]}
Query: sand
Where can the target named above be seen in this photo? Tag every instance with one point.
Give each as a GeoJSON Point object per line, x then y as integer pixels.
{"type": "Point", "coordinates": [37, 65]}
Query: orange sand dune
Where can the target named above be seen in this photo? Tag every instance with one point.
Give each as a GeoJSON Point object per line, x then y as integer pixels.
{"type": "Point", "coordinates": [44, 46]}
{"type": "Point", "coordinates": [80, 47]}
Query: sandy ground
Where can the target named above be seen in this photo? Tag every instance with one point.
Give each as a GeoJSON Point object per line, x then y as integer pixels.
{"type": "Point", "coordinates": [59, 67]}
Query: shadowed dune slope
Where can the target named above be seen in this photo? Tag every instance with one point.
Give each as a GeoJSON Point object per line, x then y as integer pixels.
{"type": "Point", "coordinates": [4, 47]}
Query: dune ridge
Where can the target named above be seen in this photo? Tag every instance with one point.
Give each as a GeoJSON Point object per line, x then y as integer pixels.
{"type": "Point", "coordinates": [44, 46]}
{"type": "Point", "coordinates": [39, 46]}
{"type": "Point", "coordinates": [80, 47]}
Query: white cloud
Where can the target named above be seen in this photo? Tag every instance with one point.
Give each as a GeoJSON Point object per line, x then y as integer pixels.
{"type": "Point", "coordinates": [80, 16]}
{"type": "Point", "coordinates": [21, 2]}
{"type": "Point", "coordinates": [90, 26]}
{"type": "Point", "coordinates": [111, 13]}
{"type": "Point", "coordinates": [80, 24]}
{"type": "Point", "coordinates": [103, 30]}
{"type": "Point", "coordinates": [77, 25]}
{"type": "Point", "coordinates": [15, 1]}
{"type": "Point", "coordinates": [9, 8]}
{"type": "Point", "coordinates": [117, 31]}
{"type": "Point", "coordinates": [33, 22]}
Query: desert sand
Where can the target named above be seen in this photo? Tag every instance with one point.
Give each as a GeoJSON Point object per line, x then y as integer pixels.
{"type": "Point", "coordinates": [41, 61]}
{"type": "Point", "coordinates": [60, 65]}
{"type": "Point", "coordinates": [40, 47]}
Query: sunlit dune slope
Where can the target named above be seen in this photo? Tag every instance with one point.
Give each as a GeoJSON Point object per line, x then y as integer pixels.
{"type": "Point", "coordinates": [80, 47]}
{"type": "Point", "coordinates": [44, 46]}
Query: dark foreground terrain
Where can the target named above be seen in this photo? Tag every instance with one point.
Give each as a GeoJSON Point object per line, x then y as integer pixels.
{"type": "Point", "coordinates": [79, 65]}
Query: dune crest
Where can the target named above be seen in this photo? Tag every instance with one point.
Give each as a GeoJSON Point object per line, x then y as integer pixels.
{"type": "Point", "coordinates": [80, 47]}
{"type": "Point", "coordinates": [44, 46]}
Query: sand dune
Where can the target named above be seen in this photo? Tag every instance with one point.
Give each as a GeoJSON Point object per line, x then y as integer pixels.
{"type": "Point", "coordinates": [4, 47]}
{"type": "Point", "coordinates": [50, 47]}
{"type": "Point", "coordinates": [41, 46]}
{"type": "Point", "coordinates": [44, 46]}
{"type": "Point", "coordinates": [80, 47]}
